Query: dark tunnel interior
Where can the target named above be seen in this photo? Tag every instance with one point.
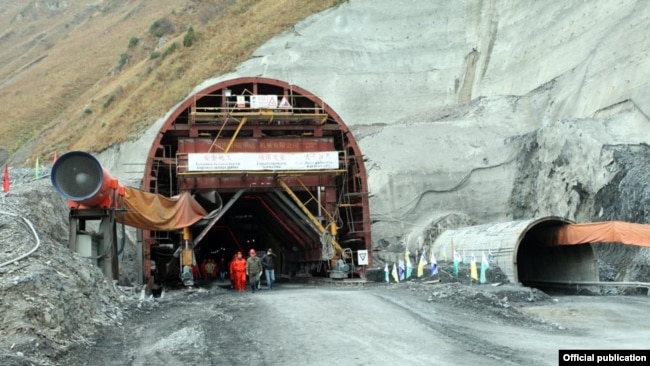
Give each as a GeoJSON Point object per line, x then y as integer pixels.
{"type": "Point", "coordinates": [549, 267]}
{"type": "Point", "coordinates": [256, 220]}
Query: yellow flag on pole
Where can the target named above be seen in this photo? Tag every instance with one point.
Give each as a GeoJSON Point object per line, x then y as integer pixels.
{"type": "Point", "coordinates": [421, 264]}
{"type": "Point", "coordinates": [473, 269]}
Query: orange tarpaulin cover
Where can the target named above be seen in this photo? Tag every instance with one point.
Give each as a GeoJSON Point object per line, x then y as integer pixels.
{"type": "Point", "coordinates": [604, 232]}
{"type": "Point", "coordinates": [152, 211]}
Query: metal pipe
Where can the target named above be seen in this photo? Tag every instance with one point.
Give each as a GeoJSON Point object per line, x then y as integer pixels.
{"type": "Point", "coordinates": [320, 213]}
{"type": "Point", "coordinates": [38, 240]}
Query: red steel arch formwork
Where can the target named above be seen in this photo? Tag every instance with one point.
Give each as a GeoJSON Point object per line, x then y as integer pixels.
{"type": "Point", "coordinates": [275, 166]}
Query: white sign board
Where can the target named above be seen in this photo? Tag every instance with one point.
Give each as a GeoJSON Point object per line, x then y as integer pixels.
{"type": "Point", "coordinates": [318, 160]}
{"type": "Point", "coordinates": [264, 101]}
{"type": "Point", "coordinates": [241, 101]}
{"type": "Point", "coordinates": [362, 257]}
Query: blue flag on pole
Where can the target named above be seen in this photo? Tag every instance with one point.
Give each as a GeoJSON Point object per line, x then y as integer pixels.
{"type": "Point", "coordinates": [434, 264]}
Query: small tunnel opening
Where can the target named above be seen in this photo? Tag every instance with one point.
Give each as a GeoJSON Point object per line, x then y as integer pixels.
{"type": "Point", "coordinates": [543, 264]}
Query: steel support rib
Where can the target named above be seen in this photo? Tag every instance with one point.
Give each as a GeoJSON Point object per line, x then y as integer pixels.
{"type": "Point", "coordinates": [280, 221]}
{"type": "Point", "coordinates": [217, 217]}
{"type": "Point", "coordinates": [291, 209]}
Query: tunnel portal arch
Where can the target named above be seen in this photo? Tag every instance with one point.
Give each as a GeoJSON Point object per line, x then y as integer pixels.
{"type": "Point", "coordinates": [296, 212]}
{"type": "Point", "coordinates": [524, 251]}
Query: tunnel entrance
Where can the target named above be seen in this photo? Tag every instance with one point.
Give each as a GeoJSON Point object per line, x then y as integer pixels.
{"type": "Point", "coordinates": [543, 264]}
{"type": "Point", "coordinates": [527, 251]}
{"type": "Point", "coordinates": [274, 166]}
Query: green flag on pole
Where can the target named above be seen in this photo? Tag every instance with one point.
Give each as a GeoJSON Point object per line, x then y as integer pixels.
{"type": "Point", "coordinates": [484, 266]}
{"type": "Point", "coordinates": [457, 259]}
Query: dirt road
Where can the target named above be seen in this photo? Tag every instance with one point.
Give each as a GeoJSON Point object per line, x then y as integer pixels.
{"type": "Point", "coordinates": [308, 324]}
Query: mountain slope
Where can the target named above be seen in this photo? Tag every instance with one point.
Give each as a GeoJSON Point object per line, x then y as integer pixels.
{"type": "Point", "coordinates": [87, 74]}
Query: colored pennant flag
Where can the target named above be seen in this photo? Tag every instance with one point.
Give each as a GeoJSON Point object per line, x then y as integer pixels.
{"type": "Point", "coordinates": [489, 258]}
{"type": "Point", "coordinates": [464, 258]}
{"type": "Point", "coordinates": [434, 265]}
{"type": "Point", "coordinates": [5, 180]}
{"type": "Point", "coordinates": [36, 168]}
{"type": "Point", "coordinates": [473, 271]}
{"type": "Point", "coordinates": [386, 274]}
{"type": "Point", "coordinates": [409, 267]}
{"type": "Point", "coordinates": [402, 270]}
{"type": "Point", "coordinates": [54, 158]}
{"type": "Point", "coordinates": [394, 273]}
{"type": "Point", "coordinates": [484, 266]}
{"type": "Point", "coordinates": [457, 260]}
{"type": "Point", "coordinates": [422, 263]}
{"type": "Point", "coordinates": [407, 260]}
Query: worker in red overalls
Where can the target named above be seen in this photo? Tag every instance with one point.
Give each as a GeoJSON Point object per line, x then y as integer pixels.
{"type": "Point", "coordinates": [238, 268]}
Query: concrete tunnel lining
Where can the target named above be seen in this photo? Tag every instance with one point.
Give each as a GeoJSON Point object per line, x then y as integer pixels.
{"type": "Point", "coordinates": [520, 249]}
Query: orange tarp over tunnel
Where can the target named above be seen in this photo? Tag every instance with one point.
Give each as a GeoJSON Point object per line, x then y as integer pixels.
{"type": "Point", "coordinates": [604, 232]}
{"type": "Point", "coordinates": [152, 211]}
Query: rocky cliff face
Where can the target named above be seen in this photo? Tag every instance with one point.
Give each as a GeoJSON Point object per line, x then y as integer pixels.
{"type": "Point", "coordinates": [586, 170]}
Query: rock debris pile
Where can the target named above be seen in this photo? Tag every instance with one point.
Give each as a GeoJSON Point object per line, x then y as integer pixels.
{"type": "Point", "coordinates": [51, 298]}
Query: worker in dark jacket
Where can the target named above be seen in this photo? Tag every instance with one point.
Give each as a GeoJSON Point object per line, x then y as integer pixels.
{"type": "Point", "coordinates": [223, 269]}
{"type": "Point", "coordinates": [254, 270]}
{"type": "Point", "coordinates": [269, 268]}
